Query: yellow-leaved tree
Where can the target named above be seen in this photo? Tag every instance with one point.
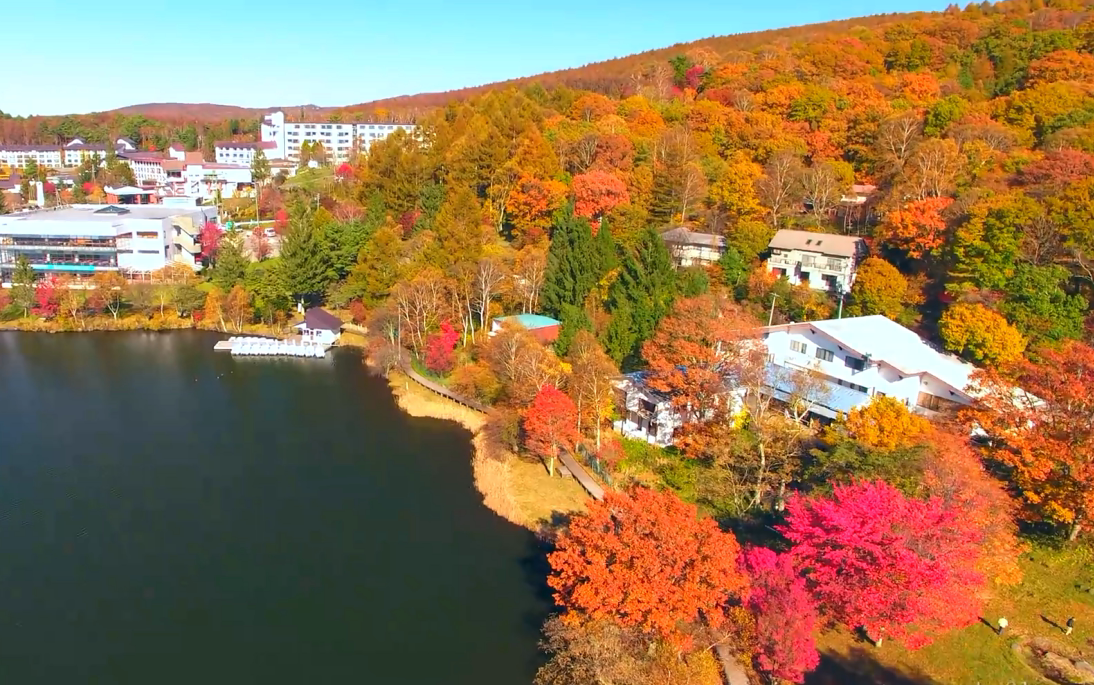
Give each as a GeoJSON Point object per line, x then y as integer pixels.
{"type": "Point", "coordinates": [885, 424]}
{"type": "Point", "coordinates": [981, 334]}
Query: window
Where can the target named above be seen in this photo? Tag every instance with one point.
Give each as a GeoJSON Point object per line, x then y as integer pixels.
{"type": "Point", "coordinates": [825, 355]}
{"type": "Point", "coordinates": [853, 386]}
{"type": "Point", "coordinates": [798, 346]}
{"type": "Point", "coordinates": [855, 363]}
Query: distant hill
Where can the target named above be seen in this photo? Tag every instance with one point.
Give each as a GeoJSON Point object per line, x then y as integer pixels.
{"type": "Point", "coordinates": [203, 111]}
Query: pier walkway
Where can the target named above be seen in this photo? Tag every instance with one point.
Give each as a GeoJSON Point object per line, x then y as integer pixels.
{"type": "Point", "coordinates": [568, 462]}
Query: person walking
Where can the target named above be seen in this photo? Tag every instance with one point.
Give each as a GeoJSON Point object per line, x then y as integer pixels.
{"type": "Point", "coordinates": [1003, 623]}
{"type": "Point", "coordinates": [1069, 626]}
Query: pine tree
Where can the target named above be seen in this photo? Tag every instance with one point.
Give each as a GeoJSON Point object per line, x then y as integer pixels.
{"type": "Point", "coordinates": [22, 285]}
{"type": "Point", "coordinates": [646, 286]}
{"type": "Point", "coordinates": [306, 254]}
{"type": "Point", "coordinates": [572, 264]}
{"type": "Point", "coordinates": [607, 254]}
{"type": "Point", "coordinates": [230, 266]}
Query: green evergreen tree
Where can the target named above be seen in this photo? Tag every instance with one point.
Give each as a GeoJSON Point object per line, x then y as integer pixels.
{"type": "Point", "coordinates": [607, 252]}
{"type": "Point", "coordinates": [260, 168]}
{"type": "Point", "coordinates": [618, 338]}
{"type": "Point", "coordinates": [573, 267]}
{"type": "Point", "coordinates": [573, 319]}
{"type": "Point", "coordinates": [734, 269]}
{"type": "Point", "coordinates": [230, 265]}
{"type": "Point", "coordinates": [306, 254]}
{"type": "Point", "coordinates": [22, 285]}
{"type": "Point", "coordinates": [647, 286]}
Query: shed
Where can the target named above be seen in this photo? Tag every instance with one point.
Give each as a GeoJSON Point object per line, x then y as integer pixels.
{"type": "Point", "coordinates": [320, 326]}
{"type": "Point", "coordinates": [543, 327]}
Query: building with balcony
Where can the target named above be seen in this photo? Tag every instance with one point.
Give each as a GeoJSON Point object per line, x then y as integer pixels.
{"type": "Point", "coordinates": [340, 140]}
{"type": "Point", "coordinates": [862, 357]}
{"type": "Point", "coordinates": [689, 248]}
{"type": "Point", "coordinates": [242, 153]}
{"type": "Point", "coordinates": [80, 240]}
{"type": "Point", "coordinates": [58, 156]}
{"type": "Point", "coordinates": [822, 260]}
{"type": "Point", "coordinates": [831, 367]}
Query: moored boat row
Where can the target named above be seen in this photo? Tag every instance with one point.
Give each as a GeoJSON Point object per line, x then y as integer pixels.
{"type": "Point", "coordinates": [267, 347]}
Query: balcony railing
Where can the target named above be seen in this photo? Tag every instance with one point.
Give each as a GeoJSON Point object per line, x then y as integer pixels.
{"type": "Point", "coordinates": [825, 264]}
{"type": "Point", "coordinates": [60, 248]}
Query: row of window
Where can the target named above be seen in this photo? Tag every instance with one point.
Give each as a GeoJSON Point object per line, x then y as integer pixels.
{"type": "Point", "coordinates": [824, 355]}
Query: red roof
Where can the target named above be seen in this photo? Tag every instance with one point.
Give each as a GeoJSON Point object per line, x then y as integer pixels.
{"type": "Point", "coordinates": [247, 145]}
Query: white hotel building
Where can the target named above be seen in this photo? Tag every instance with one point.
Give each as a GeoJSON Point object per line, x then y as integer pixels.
{"type": "Point", "coordinates": [854, 360]}
{"type": "Point", "coordinates": [81, 240]}
{"type": "Point", "coordinates": [340, 140]}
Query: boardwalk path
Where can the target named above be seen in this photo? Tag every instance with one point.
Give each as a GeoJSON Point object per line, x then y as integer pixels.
{"type": "Point", "coordinates": [578, 471]}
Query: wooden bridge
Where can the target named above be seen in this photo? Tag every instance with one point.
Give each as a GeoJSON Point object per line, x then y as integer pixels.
{"type": "Point", "coordinates": [568, 462]}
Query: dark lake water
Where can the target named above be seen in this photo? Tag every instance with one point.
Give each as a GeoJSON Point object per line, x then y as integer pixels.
{"type": "Point", "coordinates": [173, 515]}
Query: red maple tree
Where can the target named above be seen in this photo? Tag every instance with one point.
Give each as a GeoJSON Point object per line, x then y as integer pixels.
{"type": "Point", "coordinates": [281, 220]}
{"type": "Point", "coordinates": [598, 192]}
{"type": "Point", "coordinates": [550, 424]}
{"type": "Point", "coordinates": [439, 348]}
{"type": "Point", "coordinates": [785, 615]}
{"type": "Point", "coordinates": [210, 239]}
{"type": "Point", "coordinates": [47, 298]}
{"type": "Point", "coordinates": [895, 566]}
{"type": "Point", "coordinates": [647, 560]}
{"type": "Point", "coordinates": [344, 171]}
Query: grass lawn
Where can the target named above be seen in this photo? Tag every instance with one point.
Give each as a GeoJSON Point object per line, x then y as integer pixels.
{"type": "Point", "coordinates": [1055, 585]}
{"type": "Point", "coordinates": [539, 497]}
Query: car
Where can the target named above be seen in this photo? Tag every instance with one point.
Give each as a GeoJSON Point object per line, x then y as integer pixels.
{"type": "Point", "coordinates": [270, 233]}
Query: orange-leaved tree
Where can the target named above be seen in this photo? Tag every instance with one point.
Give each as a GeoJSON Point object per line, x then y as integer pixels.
{"type": "Point", "coordinates": [698, 352]}
{"type": "Point", "coordinates": [954, 473]}
{"type": "Point", "coordinates": [1041, 418]}
{"type": "Point", "coordinates": [918, 227]}
{"type": "Point", "coordinates": [981, 334]}
{"type": "Point", "coordinates": [550, 425]}
{"type": "Point", "coordinates": [647, 560]}
{"type": "Point", "coordinates": [598, 192]}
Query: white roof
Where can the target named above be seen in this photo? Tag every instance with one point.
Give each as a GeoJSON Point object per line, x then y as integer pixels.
{"type": "Point", "coordinates": [886, 341]}
{"type": "Point", "coordinates": [90, 220]}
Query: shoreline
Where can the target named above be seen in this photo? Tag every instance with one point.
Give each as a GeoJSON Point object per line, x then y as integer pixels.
{"type": "Point", "coordinates": [520, 492]}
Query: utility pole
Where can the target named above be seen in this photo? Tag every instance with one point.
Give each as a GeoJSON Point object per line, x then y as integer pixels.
{"type": "Point", "coordinates": [842, 294]}
{"type": "Point", "coordinates": [771, 314]}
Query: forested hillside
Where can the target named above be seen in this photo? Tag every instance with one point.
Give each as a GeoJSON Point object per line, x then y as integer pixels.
{"type": "Point", "coordinates": [960, 145]}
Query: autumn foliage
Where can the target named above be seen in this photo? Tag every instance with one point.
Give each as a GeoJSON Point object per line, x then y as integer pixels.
{"type": "Point", "coordinates": [918, 227]}
{"type": "Point", "coordinates": [1044, 432]}
{"type": "Point", "coordinates": [898, 567]}
{"type": "Point", "coordinates": [598, 192]}
{"type": "Point", "coordinates": [439, 349]}
{"type": "Point", "coordinates": [647, 560]}
{"type": "Point", "coordinates": [981, 334]}
{"type": "Point", "coordinates": [786, 615]}
{"type": "Point", "coordinates": [550, 423]}
{"type": "Point", "coordinates": [885, 424]}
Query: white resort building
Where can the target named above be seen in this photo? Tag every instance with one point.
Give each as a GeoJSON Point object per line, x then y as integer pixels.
{"type": "Point", "coordinates": [340, 140]}
{"type": "Point", "coordinates": [849, 361]}
{"type": "Point", "coordinates": [80, 240]}
{"type": "Point", "coordinates": [823, 260]}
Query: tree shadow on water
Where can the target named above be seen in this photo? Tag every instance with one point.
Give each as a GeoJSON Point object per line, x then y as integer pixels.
{"type": "Point", "coordinates": [861, 667]}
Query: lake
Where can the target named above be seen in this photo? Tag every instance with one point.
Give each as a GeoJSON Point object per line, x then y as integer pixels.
{"type": "Point", "coordinates": [173, 515]}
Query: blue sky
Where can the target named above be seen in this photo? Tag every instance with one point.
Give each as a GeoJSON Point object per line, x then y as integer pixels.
{"type": "Point", "coordinates": [262, 53]}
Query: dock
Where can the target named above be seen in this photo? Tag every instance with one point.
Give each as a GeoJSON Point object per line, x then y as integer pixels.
{"type": "Point", "coordinates": [249, 346]}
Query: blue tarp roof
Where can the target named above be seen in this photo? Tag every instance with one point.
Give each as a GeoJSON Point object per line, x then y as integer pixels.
{"type": "Point", "coordinates": [836, 398]}
{"type": "Point", "coordinates": [530, 321]}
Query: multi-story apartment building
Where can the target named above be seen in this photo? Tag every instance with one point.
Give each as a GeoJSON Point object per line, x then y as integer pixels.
{"type": "Point", "coordinates": [58, 156]}
{"type": "Point", "coordinates": [833, 366]}
{"type": "Point", "coordinates": [242, 153]}
{"type": "Point", "coordinates": [340, 140]}
{"type": "Point", "coordinates": [80, 240]}
{"type": "Point", "coordinates": [822, 260]}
